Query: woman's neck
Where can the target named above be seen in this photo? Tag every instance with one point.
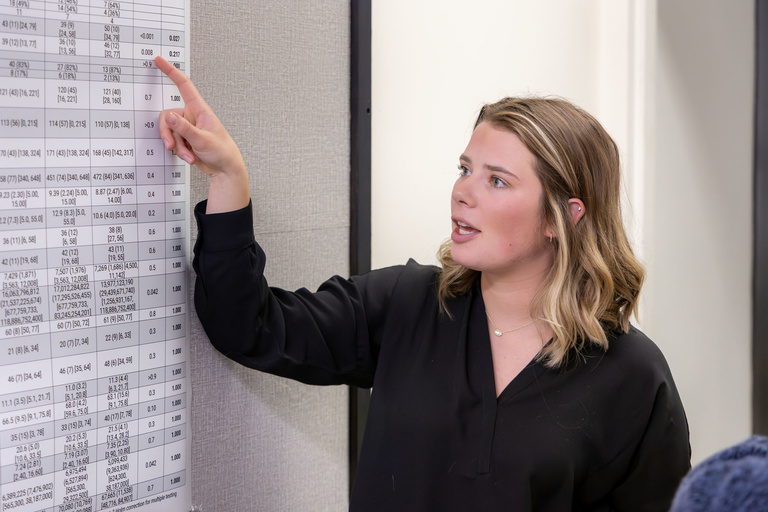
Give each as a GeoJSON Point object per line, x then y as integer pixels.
{"type": "Point", "coordinates": [508, 300]}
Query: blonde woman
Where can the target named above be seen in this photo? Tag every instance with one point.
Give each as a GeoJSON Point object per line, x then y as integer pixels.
{"type": "Point", "coordinates": [509, 378]}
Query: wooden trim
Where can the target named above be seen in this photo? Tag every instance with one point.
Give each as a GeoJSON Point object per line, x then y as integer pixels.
{"type": "Point", "coordinates": [360, 192]}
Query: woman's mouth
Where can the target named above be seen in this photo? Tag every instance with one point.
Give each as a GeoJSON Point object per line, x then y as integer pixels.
{"type": "Point", "coordinates": [463, 232]}
{"type": "Point", "coordinates": [465, 229]}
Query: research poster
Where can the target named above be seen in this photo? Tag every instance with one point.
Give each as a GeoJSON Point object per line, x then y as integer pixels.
{"type": "Point", "coordinates": [94, 251]}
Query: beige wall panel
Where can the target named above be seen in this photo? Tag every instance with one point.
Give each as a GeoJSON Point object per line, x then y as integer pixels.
{"type": "Point", "coordinates": [277, 74]}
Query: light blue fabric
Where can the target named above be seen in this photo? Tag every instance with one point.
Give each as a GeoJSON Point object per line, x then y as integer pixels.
{"type": "Point", "coordinates": [733, 480]}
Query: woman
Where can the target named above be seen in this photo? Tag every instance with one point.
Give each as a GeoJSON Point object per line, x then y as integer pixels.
{"type": "Point", "coordinates": [508, 379]}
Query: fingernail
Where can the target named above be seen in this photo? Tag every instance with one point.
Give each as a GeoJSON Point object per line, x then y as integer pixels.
{"type": "Point", "coordinates": [173, 119]}
{"type": "Point", "coordinates": [188, 159]}
{"type": "Point", "coordinates": [167, 144]}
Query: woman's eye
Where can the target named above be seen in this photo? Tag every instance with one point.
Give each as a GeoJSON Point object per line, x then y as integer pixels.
{"type": "Point", "coordinates": [497, 182]}
{"type": "Point", "coordinates": [463, 170]}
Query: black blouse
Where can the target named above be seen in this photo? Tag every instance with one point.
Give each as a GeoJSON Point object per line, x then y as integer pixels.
{"type": "Point", "coordinates": [608, 434]}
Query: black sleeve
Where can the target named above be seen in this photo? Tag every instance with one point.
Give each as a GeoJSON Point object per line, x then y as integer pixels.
{"type": "Point", "coordinates": [662, 458]}
{"type": "Point", "coordinates": [331, 336]}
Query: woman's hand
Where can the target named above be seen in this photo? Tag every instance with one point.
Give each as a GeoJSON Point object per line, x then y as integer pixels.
{"type": "Point", "coordinates": [199, 138]}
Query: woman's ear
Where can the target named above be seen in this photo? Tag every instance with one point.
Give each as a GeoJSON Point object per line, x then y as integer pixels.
{"type": "Point", "coordinates": [576, 209]}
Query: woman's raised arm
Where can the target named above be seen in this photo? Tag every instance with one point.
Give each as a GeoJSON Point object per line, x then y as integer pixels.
{"type": "Point", "coordinates": [199, 138]}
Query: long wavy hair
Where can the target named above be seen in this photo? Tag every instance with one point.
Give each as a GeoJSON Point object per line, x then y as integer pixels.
{"type": "Point", "coordinates": [593, 286]}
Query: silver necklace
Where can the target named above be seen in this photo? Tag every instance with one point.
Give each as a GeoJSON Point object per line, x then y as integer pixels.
{"type": "Point", "coordinates": [498, 332]}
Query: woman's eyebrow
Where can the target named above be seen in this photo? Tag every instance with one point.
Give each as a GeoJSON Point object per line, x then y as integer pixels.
{"type": "Point", "coordinates": [501, 170]}
{"type": "Point", "coordinates": [492, 168]}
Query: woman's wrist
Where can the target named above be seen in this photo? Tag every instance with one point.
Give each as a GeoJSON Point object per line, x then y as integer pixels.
{"type": "Point", "coordinates": [228, 192]}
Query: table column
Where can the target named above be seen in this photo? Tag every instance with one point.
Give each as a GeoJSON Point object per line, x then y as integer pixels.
{"type": "Point", "coordinates": [176, 191]}
{"type": "Point", "coordinates": [151, 216]}
{"type": "Point", "coordinates": [69, 255]}
{"type": "Point", "coordinates": [26, 390]}
{"type": "Point", "coordinates": [116, 250]}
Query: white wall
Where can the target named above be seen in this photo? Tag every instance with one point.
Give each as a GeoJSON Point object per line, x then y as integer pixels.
{"type": "Point", "coordinates": [436, 62]}
{"type": "Point", "coordinates": [698, 214]}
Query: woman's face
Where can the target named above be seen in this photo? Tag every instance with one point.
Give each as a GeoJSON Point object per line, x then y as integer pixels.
{"type": "Point", "coordinates": [498, 227]}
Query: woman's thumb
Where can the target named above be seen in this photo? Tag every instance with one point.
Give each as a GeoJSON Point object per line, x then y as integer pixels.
{"type": "Point", "coordinates": [183, 127]}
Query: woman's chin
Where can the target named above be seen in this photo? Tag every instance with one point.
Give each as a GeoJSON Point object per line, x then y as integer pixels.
{"type": "Point", "coordinates": [461, 257]}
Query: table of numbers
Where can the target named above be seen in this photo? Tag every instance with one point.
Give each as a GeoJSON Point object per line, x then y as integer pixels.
{"type": "Point", "coordinates": [93, 251]}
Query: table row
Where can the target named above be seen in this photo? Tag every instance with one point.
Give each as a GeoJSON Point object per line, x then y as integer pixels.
{"type": "Point", "coordinates": [83, 490]}
{"type": "Point", "coordinates": [20, 63]}
{"type": "Point", "coordinates": [29, 93]}
{"type": "Point", "coordinates": [97, 422]}
{"type": "Point", "coordinates": [95, 153]}
{"type": "Point", "coordinates": [124, 231]}
{"type": "Point", "coordinates": [104, 303]}
{"type": "Point", "coordinates": [33, 380]}
{"type": "Point", "coordinates": [147, 252]}
{"type": "Point", "coordinates": [81, 123]}
{"type": "Point", "coordinates": [20, 66]}
{"type": "Point", "coordinates": [108, 46]}
{"type": "Point", "coordinates": [110, 8]}
{"type": "Point", "coordinates": [165, 28]}
{"type": "Point", "coordinates": [36, 319]}
{"type": "Point", "coordinates": [61, 219]}
{"type": "Point", "coordinates": [159, 378]}
{"type": "Point", "coordinates": [23, 179]}
{"type": "Point", "coordinates": [145, 455]}
{"type": "Point", "coordinates": [98, 194]}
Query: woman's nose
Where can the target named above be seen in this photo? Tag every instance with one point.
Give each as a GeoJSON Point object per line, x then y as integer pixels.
{"type": "Point", "coordinates": [462, 191]}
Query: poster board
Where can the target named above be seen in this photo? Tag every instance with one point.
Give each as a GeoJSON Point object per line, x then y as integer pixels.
{"type": "Point", "coordinates": [94, 250]}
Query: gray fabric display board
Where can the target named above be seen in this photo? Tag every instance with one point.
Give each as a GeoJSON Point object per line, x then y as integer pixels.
{"type": "Point", "coordinates": [277, 74]}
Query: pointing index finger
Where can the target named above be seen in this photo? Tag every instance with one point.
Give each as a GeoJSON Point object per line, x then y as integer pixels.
{"type": "Point", "coordinates": [187, 89]}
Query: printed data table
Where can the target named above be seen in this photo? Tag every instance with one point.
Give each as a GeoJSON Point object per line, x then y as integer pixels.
{"type": "Point", "coordinates": [93, 259]}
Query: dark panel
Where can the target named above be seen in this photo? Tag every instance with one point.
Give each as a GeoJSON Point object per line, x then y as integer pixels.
{"type": "Point", "coordinates": [760, 298]}
{"type": "Point", "coordinates": [360, 190]}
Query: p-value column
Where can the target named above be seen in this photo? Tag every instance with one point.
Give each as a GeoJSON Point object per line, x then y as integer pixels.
{"type": "Point", "coordinates": [176, 234]}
